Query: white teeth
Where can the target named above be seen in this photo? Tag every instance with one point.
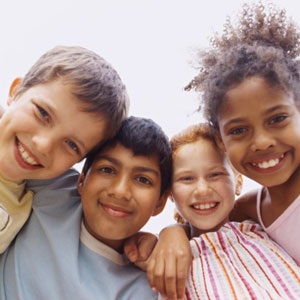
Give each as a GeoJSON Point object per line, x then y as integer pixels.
{"type": "Point", "coordinates": [26, 156]}
{"type": "Point", "coordinates": [205, 206]}
{"type": "Point", "coordinates": [267, 164]}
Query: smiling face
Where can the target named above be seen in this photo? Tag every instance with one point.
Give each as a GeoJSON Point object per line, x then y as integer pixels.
{"type": "Point", "coordinates": [203, 185]}
{"type": "Point", "coordinates": [119, 194]}
{"type": "Point", "coordinates": [259, 127]}
{"type": "Point", "coordinates": [44, 132]}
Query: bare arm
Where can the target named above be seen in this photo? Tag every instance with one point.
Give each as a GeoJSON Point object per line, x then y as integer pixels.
{"type": "Point", "coordinates": [170, 262]}
{"type": "Point", "coordinates": [245, 207]}
{"type": "Point", "coordinates": [167, 260]}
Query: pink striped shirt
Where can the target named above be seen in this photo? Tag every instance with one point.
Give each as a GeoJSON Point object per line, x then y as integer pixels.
{"type": "Point", "coordinates": [240, 261]}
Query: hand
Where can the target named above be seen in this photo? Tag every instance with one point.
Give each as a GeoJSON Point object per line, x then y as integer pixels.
{"type": "Point", "coordinates": [139, 247]}
{"type": "Point", "coordinates": [169, 263]}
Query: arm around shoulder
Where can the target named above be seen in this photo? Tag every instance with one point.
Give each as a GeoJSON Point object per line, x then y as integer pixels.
{"type": "Point", "coordinates": [245, 207]}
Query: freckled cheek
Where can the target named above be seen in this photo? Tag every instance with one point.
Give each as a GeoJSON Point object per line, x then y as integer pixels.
{"type": "Point", "coordinates": [181, 195]}
{"type": "Point", "coordinates": [228, 192]}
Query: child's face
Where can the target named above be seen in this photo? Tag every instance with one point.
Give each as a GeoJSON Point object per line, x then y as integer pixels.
{"type": "Point", "coordinates": [119, 194]}
{"type": "Point", "coordinates": [260, 129]}
{"type": "Point", "coordinates": [203, 185]}
{"type": "Point", "coordinates": [44, 132]}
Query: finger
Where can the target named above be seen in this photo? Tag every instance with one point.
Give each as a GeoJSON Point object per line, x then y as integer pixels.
{"type": "Point", "coordinates": [142, 265]}
{"type": "Point", "coordinates": [131, 251]}
{"type": "Point", "coordinates": [155, 273]}
{"type": "Point", "coordinates": [170, 278]}
{"type": "Point", "coordinates": [146, 245]}
{"type": "Point", "coordinates": [183, 266]}
{"type": "Point", "coordinates": [150, 274]}
{"type": "Point", "coordinates": [159, 276]}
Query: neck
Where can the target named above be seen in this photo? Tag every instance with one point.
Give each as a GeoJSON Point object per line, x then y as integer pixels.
{"type": "Point", "coordinates": [18, 181]}
{"type": "Point", "coordinates": [114, 244]}
{"type": "Point", "coordinates": [287, 192]}
{"type": "Point", "coordinates": [195, 232]}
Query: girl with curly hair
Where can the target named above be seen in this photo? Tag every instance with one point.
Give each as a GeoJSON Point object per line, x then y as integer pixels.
{"type": "Point", "coordinates": [250, 86]}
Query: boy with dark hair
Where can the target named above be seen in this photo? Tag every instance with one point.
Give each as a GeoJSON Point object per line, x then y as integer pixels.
{"type": "Point", "coordinates": [65, 252]}
{"type": "Point", "coordinates": [69, 101]}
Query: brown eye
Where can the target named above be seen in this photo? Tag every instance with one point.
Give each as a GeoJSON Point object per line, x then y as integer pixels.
{"type": "Point", "coordinates": [107, 170]}
{"type": "Point", "coordinates": [237, 130]}
{"type": "Point", "coordinates": [143, 180]}
{"type": "Point", "coordinates": [278, 119]}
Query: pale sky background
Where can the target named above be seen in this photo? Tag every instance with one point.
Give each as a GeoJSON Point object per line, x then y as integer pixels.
{"type": "Point", "coordinates": [149, 42]}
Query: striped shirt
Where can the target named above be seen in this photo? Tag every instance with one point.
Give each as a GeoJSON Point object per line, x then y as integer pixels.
{"type": "Point", "coordinates": [240, 261]}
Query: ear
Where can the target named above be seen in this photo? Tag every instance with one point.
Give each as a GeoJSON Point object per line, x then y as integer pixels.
{"type": "Point", "coordinates": [14, 87]}
{"type": "Point", "coordinates": [238, 184]}
{"type": "Point", "coordinates": [80, 183]}
{"type": "Point", "coordinates": [219, 142]}
{"type": "Point", "coordinates": [161, 203]}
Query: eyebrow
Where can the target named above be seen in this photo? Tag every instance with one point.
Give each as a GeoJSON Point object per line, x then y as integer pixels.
{"type": "Point", "coordinates": [268, 111]}
{"type": "Point", "coordinates": [110, 159]}
{"type": "Point", "coordinates": [233, 121]}
{"type": "Point", "coordinates": [145, 169]}
{"type": "Point", "coordinates": [117, 162]}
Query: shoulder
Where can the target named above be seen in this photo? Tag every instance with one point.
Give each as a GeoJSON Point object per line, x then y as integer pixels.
{"type": "Point", "coordinates": [66, 180]}
{"type": "Point", "coordinates": [60, 191]}
{"type": "Point", "coordinates": [245, 207]}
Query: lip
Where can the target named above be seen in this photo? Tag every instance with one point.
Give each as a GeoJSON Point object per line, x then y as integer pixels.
{"type": "Point", "coordinates": [267, 158]}
{"type": "Point", "coordinates": [115, 211]}
{"type": "Point", "coordinates": [205, 212]}
{"type": "Point", "coordinates": [20, 160]}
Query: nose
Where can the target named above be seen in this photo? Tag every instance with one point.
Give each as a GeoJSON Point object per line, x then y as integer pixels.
{"type": "Point", "coordinates": [203, 188]}
{"type": "Point", "coordinates": [43, 143]}
{"type": "Point", "coordinates": [262, 141]}
{"type": "Point", "coordinates": [120, 188]}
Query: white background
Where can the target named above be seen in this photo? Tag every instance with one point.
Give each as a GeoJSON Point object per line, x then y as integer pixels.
{"type": "Point", "coordinates": [149, 42]}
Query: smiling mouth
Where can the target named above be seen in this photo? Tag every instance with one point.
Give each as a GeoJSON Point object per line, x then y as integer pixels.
{"type": "Point", "coordinates": [26, 156]}
{"type": "Point", "coordinates": [114, 211]}
{"type": "Point", "coordinates": [268, 163]}
{"type": "Point", "coordinates": [205, 206]}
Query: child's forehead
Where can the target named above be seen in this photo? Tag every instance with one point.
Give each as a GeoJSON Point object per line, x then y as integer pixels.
{"type": "Point", "coordinates": [202, 150]}
{"type": "Point", "coordinates": [200, 144]}
{"type": "Point", "coordinates": [119, 153]}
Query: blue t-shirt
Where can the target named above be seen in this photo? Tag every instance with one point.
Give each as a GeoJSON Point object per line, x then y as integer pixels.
{"type": "Point", "coordinates": [52, 258]}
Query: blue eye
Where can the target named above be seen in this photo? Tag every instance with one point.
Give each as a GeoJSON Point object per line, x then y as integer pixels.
{"type": "Point", "coordinates": [186, 178]}
{"type": "Point", "coordinates": [43, 113]}
{"type": "Point", "coordinates": [216, 174]}
{"type": "Point", "coordinates": [73, 146]}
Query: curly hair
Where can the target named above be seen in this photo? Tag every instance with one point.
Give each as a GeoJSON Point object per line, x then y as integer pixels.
{"type": "Point", "coordinates": [263, 42]}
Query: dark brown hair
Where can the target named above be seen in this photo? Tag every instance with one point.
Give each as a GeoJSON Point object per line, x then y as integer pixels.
{"type": "Point", "coordinates": [263, 42]}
